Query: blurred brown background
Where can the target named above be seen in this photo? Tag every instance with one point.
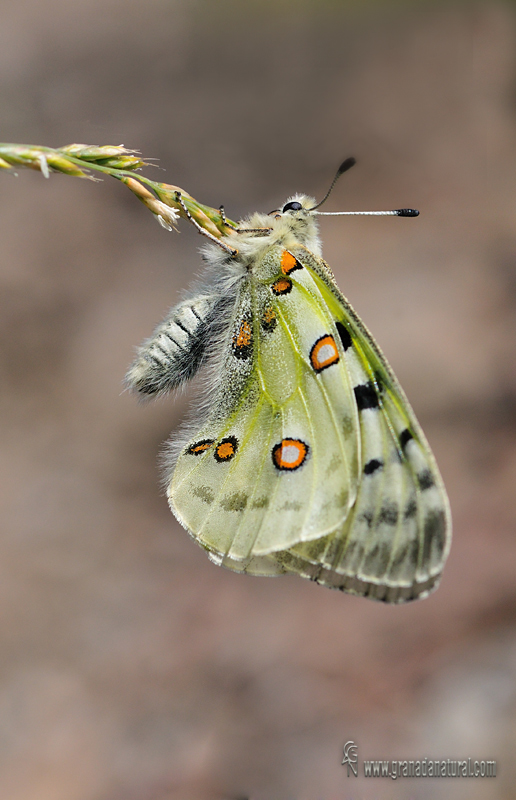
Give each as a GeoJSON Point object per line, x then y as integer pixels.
{"type": "Point", "coordinates": [132, 668]}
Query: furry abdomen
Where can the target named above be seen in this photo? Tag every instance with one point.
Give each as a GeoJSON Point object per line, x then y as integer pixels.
{"type": "Point", "coordinates": [175, 351]}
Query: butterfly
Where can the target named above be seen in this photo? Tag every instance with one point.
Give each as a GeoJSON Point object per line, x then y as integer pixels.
{"type": "Point", "coordinates": [302, 454]}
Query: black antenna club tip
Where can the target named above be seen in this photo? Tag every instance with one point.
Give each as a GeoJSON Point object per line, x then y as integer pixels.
{"type": "Point", "coordinates": [347, 164]}
{"type": "Point", "coordinates": [407, 212]}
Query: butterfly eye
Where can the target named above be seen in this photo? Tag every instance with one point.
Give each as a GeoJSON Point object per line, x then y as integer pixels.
{"type": "Point", "coordinates": [293, 206]}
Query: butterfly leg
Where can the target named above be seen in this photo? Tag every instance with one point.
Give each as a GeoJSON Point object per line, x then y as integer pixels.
{"type": "Point", "coordinates": [224, 220]}
{"type": "Point", "coordinates": [263, 231]}
{"type": "Point", "coordinates": [202, 230]}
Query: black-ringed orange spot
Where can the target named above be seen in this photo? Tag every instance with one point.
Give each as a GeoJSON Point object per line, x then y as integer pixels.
{"type": "Point", "coordinates": [324, 353]}
{"type": "Point", "coordinates": [269, 320]}
{"type": "Point", "coordinates": [289, 263]}
{"type": "Point", "coordinates": [289, 454]}
{"type": "Point", "coordinates": [243, 340]}
{"type": "Point", "coordinates": [282, 286]}
{"type": "Point", "coordinates": [197, 448]}
{"type": "Point", "coordinates": [226, 449]}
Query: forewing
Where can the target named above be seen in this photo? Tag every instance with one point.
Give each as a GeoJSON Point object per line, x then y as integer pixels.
{"type": "Point", "coordinates": [395, 541]}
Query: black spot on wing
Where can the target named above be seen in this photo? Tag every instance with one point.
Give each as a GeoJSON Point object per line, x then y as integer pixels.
{"type": "Point", "coordinates": [234, 502]}
{"type": "Point", "coordinates": [372, 466]}
{"type": "Point", "coordinates": [410, 509]}
{"type": "Point", "coordinates": [405, 437]}
{"type": "Point", "coordinates": [348, 426]}
{"type": "Point", "coordinates": [425, 480]}
{"type": "Point", "coordinates": [261, 502]}
{"type": "Point", "coordinates": [291, 505]}
{"type": "Point", "coordinates": [354, 552]}
{"type": "Point", "coordinates": [435, 533]}
{"type": "Point", "coordinates": [388, 514]}
{"type": "Point", "coordinates": [344, 334]}
{"type": "Point", "coordinates": [365, 395]}
{"type": "Point", "coordinates": [204, 493]}
{"type": "Point", "coordinates": [398, 559]}
{"type": "Point", "coordinates": [377, 559]}
{"type": "Point", "coordinates": [413, 550]}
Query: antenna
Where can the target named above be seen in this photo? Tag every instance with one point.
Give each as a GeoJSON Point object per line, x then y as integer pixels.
{"type": "Point", "coordinates": [347, 164]}
{"type": "Point", "coordinates": [398, 212]}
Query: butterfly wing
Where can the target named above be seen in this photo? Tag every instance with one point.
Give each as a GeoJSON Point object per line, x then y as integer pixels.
{"type": "Point", "coordinates": [263, 473]}
{"type": "Point", "coordinates": [396, 539]}
{"type": "Point", "coordinates": [310, 459]}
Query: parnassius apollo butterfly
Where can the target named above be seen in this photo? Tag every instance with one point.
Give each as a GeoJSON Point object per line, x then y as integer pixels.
{"type": "Point", "coordinates": [304, 455]}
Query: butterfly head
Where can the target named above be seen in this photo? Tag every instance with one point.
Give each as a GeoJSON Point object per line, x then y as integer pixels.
{"type": "Point", "coordinates": [297, 207]}
{"type": "Point", "coordinates": [293, 223]}
{"type": "Point", "coordinates": [295, 217]}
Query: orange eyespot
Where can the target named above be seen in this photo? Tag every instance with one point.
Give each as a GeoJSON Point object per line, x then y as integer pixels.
{"type": "Point", "coordinates": [243, 337]}
{"type": "Point", "coordinates": [324, 353]}
{"type": "Point", "coordinates": [200, 447]}
{"type": "Point", "coordinates": [289, 263]}
{"type": "Point", "coordinates": [289, 454]}
{"type": "Point", "coordinates": [269, 320]}
{"type": "Point", "coordinates": [243, 340]}
{"type": "Point", "coordinates": [282, 286]}
{"type": "Point", "coordinates": [226, 449]}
